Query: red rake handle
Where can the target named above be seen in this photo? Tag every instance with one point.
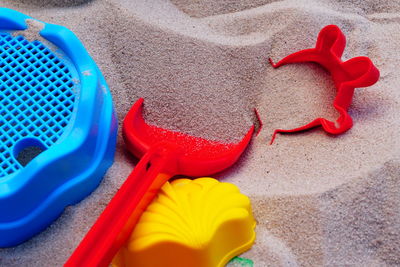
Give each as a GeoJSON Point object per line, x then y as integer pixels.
{"type": "Point", "coordinates": [115, 224]}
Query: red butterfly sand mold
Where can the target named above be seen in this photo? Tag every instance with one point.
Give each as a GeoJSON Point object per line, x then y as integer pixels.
{"type": "Point", "coordinates": [347, 75]}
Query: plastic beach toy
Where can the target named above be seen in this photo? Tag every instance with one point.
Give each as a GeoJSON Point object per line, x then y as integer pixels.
{"type": "Point", "coordinates": [163, 154]}
{"type": "Point", "coordinates": [57, 125]}
{"type": "Point", "coordinates": [240, 262]}
{"type": "Point", "coordinates": [347, 75]}
{"type": "Point", "coordinates": [196, 223]}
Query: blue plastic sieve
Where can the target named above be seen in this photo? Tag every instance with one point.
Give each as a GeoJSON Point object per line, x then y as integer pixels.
{"type": "Point", "coordinates": [57, 125]}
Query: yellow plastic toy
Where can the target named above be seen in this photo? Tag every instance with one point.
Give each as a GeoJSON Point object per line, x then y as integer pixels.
{"type": "Point", "coordinates": [191, 223]}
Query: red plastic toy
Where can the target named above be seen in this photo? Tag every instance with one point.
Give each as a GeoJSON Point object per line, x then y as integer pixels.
{"type": "Point", "coordinates": [163, 154]}
{"type": "Point", "coordinates": [347, 75]}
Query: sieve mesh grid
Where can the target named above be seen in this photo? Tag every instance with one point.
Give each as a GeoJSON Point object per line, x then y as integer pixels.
{"type": "Point", "coordinates": [36, 96]}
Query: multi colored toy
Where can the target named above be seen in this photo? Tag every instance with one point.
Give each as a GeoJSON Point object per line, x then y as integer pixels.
{"type": "Point", "coordinates": [196, 223]}
{"type": "Point", "coordinates": [347, 75]}
{"type": "Point", "coordinates": [163, 154]}
{"type": "Point", "coordinates": [57, 125]}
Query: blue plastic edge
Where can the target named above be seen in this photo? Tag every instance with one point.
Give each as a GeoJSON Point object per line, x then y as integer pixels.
{"type": "Point", "coordinates": [62, 191]}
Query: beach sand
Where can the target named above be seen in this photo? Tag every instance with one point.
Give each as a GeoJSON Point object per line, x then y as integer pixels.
{"type": "Point", "coordinates": [202, 67]}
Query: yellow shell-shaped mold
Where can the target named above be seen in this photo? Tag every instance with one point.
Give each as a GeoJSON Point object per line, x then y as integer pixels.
{"type": "Point", "coordinates": [191, 223]}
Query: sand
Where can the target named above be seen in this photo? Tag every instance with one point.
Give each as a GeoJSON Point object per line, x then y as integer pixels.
{"type": "Point", "coordinates": [202, 66]}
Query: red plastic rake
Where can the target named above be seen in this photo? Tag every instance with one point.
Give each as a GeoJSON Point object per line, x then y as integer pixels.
{"type": "Point", "coordinates": [163, 154]}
